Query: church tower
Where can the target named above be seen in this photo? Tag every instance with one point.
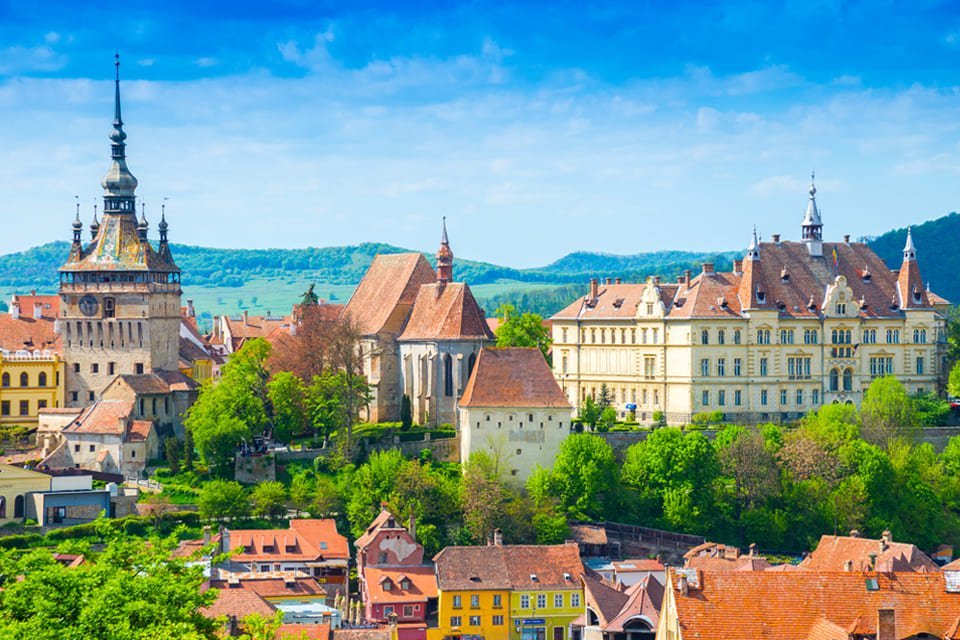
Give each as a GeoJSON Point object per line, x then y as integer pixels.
{"type": "Point", "coordinates": [812, 224]}
{"type": "Point", "coordinates": [120, 298]}
{"type": "Point", "coordinates": [444, 258]}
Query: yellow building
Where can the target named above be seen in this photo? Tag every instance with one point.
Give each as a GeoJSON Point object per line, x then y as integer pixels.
{"type": "Point", "coordinates": [508, 592]}
{"type": "Point", "coordinates": [31, 367]}
{"type": "Point", "coordinates": [794, 325]}
{"type": "Point", "coordinates": [15, 484]}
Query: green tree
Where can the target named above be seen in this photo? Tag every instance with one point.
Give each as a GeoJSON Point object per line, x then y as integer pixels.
{"type": "Point", "coordinates": [887, 412]}
{"type": "Point", "coordinates": [522, 330]}
{"type": "Point", "coordinates": [953, 383]}
{"type": "Point", "coordinates": [608, 418]}
{"type": "Point", "coordinates": [589, 412]}
{"type": "Point", "coordinates": [223, 499]}
{"type": "Point", "coordinates": [606, 398]}
{"type": "Point", "coordinates": [301, 492]}
{"type": "Point", "coordinates": [133, 590]}
{"type": "Point", "coordinates": [269, 499]}
{"type": "Point", "coordinates": [309, 297]}
{"type": "Point", "coordinates": [406, 413]}
{"type": "Point", "coordinates": [287, 395]}
{"type": "Point", "coordinates": [173, 451]}
{"type": "Point", "coordinates": [584, 478]}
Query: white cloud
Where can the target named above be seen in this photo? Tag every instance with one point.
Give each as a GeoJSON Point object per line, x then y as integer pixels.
{"type": "Point", "coordinates": [206, 61]}
{"type": "Point", "coordinates": [51, 37]}
{"type": "Point", "coordinates": [19, 59]}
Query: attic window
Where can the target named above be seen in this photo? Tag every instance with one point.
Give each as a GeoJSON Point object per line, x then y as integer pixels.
{"type": "Point", "coordinates": [474, 579]}
{"type": "Point", "coordinates": [567, 576]}
{"type": "Point", "coordinates": [405, 585]}
{"type": "Point", "coordinates": [679, 302]}
{"type": "Point", "coordinates": [387, 585]}
{"type": "Point", "coordinates": [291, 548]}
{"type": "Point", "coordinates": [784, 274]}
{"type": "Point", "coordinates": [917, 296]}
{"type": "Point", "coordinates": [872, 584]}
{"type": "Point", "coordinates": [618, 303]}
{"type": "Point", "coordinates": [323, 545]}
{"type": "Point", "coordinates": [761, 296]}
{"type": "Point", "coordinates": [533, 577]}
{"type": "Point", "coordinates": [780, 305]}
{"type": "Point", "coordinates": [268, 548]}
{"type": "Point", "coordinates": [867, 276]}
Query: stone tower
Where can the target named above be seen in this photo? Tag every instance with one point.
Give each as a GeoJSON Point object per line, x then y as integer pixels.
{"type": "Point", "coordinates": [120, 298]}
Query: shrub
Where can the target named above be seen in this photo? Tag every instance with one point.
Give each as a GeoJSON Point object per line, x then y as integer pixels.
{"type": "Point", "coordinates": [659, 419]}
{"type": "Point", "coordinates": [707, 417]}
{"type": "Point", "coordinates": [20, 540]}
{"type": "Point", "coordinates": [162, 472]}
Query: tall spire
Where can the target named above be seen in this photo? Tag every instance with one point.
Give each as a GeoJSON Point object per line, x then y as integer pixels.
{"type": "Point", "coordinates": [753, 251]}
{"type": "Point", "coordinates": [95, 224]}
{"type": "Point", "coordinates": [119, 184]}
{"type": "Point", "coordinates": [812, 225]}
{"type": "Point", "coordinates": [77, 224]}
{"type": "Point", "coordinates": [444, 257]}
{"type": "Point", "coordinates": [909, 251]}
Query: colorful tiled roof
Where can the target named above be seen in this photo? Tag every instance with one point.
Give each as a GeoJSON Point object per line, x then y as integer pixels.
{"type": "Point", "coordinates": [118, 247]}
{"type": "Point", "coordinates": [446, 312]}
{"type": "Point", "coordinates": [387, 292]}
{"type": "Point", "coordinates": [796, 605]}
{"type": "Point", "coordinates": [422, 584]}
{"type": "Point", "coordinates": [833, 552]}
{"type": "Point", "coordinates": [513, 377]}
{"type": "Point", "coordinates": [509, 567]}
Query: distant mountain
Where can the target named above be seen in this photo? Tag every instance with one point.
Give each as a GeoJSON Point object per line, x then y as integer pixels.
{"type": "Point", "coordinates": [938, 252]}
{"type": "Point", "coordinates": [223, 275]}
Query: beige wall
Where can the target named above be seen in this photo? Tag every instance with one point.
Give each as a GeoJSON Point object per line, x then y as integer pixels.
{"type": "Point", "coordinates": [16, 483]}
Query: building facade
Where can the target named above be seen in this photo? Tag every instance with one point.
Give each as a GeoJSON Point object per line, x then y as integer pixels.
{"type": "Point", "coordinates": [119, 297]}
{"type": "Point", "coordinates": [513, 410]}
{"type": "Point", "coordinates": [794, 326]}
{"type": "Point", "coordinates": [420, 335]}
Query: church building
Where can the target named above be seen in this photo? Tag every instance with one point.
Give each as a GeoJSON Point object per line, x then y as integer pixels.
{"type": "Point", "coordinates": [120, 300]}
{"type": "Point", "coordinates": [420, 335]}
{"type": "Point", "coordinates": [793, 326]}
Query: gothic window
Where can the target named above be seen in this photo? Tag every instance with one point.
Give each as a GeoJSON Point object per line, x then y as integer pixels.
{"type": "Point", "coordinates": [736, 336]}
{"type": "Point", "coordinates": [6, 380]}
{"type": "Point", "coordinates": [24, 379]}
{"type": "Point", "coordinates": [721, 337]}
{"type": "Point", "coordinates": [848, 379]}
{"type": "Point", "coordinates": [447, 375]}
{"type": "Point", "coordinates": [834, 380]}
{"type": "Point", "coordinates": [42, 379]}
{"type": "Point", "coordinates": [705, 337]}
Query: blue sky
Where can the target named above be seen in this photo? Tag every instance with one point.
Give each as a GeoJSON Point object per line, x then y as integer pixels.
{"type": "Point", "coordinates": [536, 128]}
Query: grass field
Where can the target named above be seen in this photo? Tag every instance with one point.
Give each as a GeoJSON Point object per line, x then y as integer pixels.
{"type": "Point", "coordinates": [278, 295]}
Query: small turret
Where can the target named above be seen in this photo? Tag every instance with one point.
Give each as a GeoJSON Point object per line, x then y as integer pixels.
{"type": "Point", "coordinates": [753, 251]}
{"type": "Point", "coordinates": [444, 258]}
{"type": "Point", "coordinates": [909, 250]}
{"type": "Point", "coordinates": [143, 226]}
{"type": "Point", "coordinates": [812, 225]}
{"type": "Point", "coordinates": [77, 226]}
{"type": "Point", "coordinates": [95, 224]}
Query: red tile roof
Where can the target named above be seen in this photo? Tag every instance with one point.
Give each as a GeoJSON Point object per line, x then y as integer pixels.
{"type": "Point", "coordinates": [308, 540]}
{"type": "Point", "coordinates": [606, 601]}
{"type": "Point", "coordinates": [109, 417]}
{"type": "Point", "coordinates": [643, 599]}
{"type": "Point", "coordinates": [639, 564]}
{"type": "Point", "coordinates": [509, 567]}
{"type": "Point", "coordinates": [27, 333]}
{"type": "Point", "coordinates": [513, 377]}
{"type": "Point", "coordinates": [378, 523]}
{"type": "Point", "coordinates": [49, 304]}
{"type": "Point", "coordinates": [240, 603]}
{"type": "Point", "coordinates": [295, 631]}
{"type": "Point", "coordinates": [422, 579]}
{"type": "Point", "coordinates": [446, 312]}
{"type": "Point", "coordinates": [275, 587]}
{"type": "Point", "coordinates": [833, 552]}
{"type": "Point", "coordinates": [387, 292]}
{"type": "Point", "coordinates": [794, 605]}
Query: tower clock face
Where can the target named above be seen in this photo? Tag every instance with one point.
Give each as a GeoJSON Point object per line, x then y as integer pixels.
{"type": "Point", "coordinates": [88, 305]}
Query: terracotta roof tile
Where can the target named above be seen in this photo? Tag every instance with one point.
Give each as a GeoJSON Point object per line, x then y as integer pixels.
{"type": "Point", "coordinates": [139, 431]}
{"type": "Point", "coordinates": [423, 584]}
{"type": "Point", "coordinates": [508, 566]}
{"type": "Point", "coordinates": [512, 377]}
{"type": "Point", "coordinates": [643, 599]}
{"type": "Point", "coordinates": [49, 304]}
{"type": "Point", "coordinates": [833, 552]}
{"type": "Point", "coordinates": [240, 603]}
{"type": "Point", "coordinates": [388, 289]}
{"type": "Point", "coordinates": [446, 311]}
{"type": "Point", "coordinates": [27, 333]}
{"type": "Point", "coordinates": [295, 631]}
{"type": "Point", "coordinates": [375, 633]}
{"type": "Point", "coordinates": [378, 523]}
{"type": "Point", "coordinates": [104, 416]}
{"type": "Point", "coordinates": [791, 605]}
{"type": "Point", "coordinates": [606, 601]}
{"type": "Point", "coordinates": [275, 587]}
{"type": "Point", "coordinates": [588, 533]}
{"type": "Point", "coordinates": [306, 539]}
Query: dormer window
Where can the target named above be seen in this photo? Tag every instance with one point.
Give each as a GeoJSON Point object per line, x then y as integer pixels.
{"type": "Point", "coordinates": [387, 584]}
{"type": "Point", "coordinates": [761, 296]}
{"type": "Point", "coordinates": [841, 308]}
{"type": "Point", "coordinates": [405, 584]}
{"type": "Point", "coordinates": [784, 274]}
{"type": "Point", "coordinates": [917, 296]}
{"type": "Point", "coordinates": [533, 577]}
{"type": "Point", "coordinates": [618, 303]}
{"type": "Point", "coordinates": [867, 276]}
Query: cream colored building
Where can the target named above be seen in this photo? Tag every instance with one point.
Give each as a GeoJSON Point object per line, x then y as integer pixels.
{"type": "Point", "coordinates": [513, 409]}
{"type": "Point", "coordinates": [16, 484]}
{"type": "Point", "coordinates": [794, 326]}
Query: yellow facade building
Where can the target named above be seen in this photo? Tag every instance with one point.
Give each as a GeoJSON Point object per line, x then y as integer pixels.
{"type": "Point", "coordinates": [31, 366]}
{"type": "Point", "coordinates": [794, 326]}
{"type": "Point", "coordinates": [508, 592]}
{"type": "Point", "coordinates": [15, 484]}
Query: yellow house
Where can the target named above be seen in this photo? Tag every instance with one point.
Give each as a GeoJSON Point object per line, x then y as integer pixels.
{"type": "Point", "coordinates": [31, 367]}
{"type": "Point", "coordinates": [15, 484]}
{"type": "Point", "coordinates": [508, 592]}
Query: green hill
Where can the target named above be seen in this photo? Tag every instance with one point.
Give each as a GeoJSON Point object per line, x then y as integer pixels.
{"type": "Point", "coordinates": [260, 280]}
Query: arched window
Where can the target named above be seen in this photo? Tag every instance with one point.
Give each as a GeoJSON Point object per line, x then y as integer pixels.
{"type": "Point", "coordinates": [472, 360]}
{"type": "Point", "coordinates": [18, 507]}
{"type": "Point", "coordinates": [24, 379]}
{"type": "Point", "coordinates": [705, 337]}
{"type": "Point", "coordinates": [447, 375]}
{"type": "Point", "coordinates": [834, 380]}
{"type": "Point", "coordinates": [6, 380]}
{"type": "Point", "coordinates": [3, 507]}
{"type": "Point", "coordinates": [42, 379]}
{"type": "Point", "coordinates": [848, 379]}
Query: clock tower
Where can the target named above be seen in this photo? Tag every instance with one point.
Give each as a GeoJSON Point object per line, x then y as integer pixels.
{"type": "Point", "coordinates": [120, 297]}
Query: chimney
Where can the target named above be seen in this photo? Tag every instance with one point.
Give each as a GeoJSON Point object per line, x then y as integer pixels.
{"type": "Point", "coordinates": [37, 310]}
{"type": "Point", "coordinates": [618, 280]}
{"type": "Point", "coordinates": [846, 238]}
{"type": "Point", "coordinates": [738, 266]}
{"type": "Point", "coordinates": [872, 566]}
{"type": "Point", "coordinates": [686, 277]}
{"type": "Point", "coordinates": [594, 290]}
{"type": "Point", "coordinates": [776, 238]}
{"type": "Point", "coordinates": [606, 281]}
{"type": "Point", "coordinates": [887, 537]}
{"type": "Point", "coordinates": [15, 308]}
{"type": "Point", "coordinates": [753, 549]}
{"type": "Point", "coordinates": [245, 314]}
{"type": "Point", "coordinates": [854, 533]}
{"type": "Point", "coordinates": [708, 267]}
{"type": "Point", "coordinates": [684, 585]}
{"type": "Point", "coordinates": [497, 537]}
{"type": "Point", "coordinates": [848, 565]}
{"type": "Point", "coordinates": [191, 313]}
{"type": "Point", "coordinates": [412, 527]}
{"type": "Point", "coordinates": [886, 624]}
{"type": "Point", "coordinates": [224, 539]}
{"type": "Point", "coordinates": [206, 534]}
